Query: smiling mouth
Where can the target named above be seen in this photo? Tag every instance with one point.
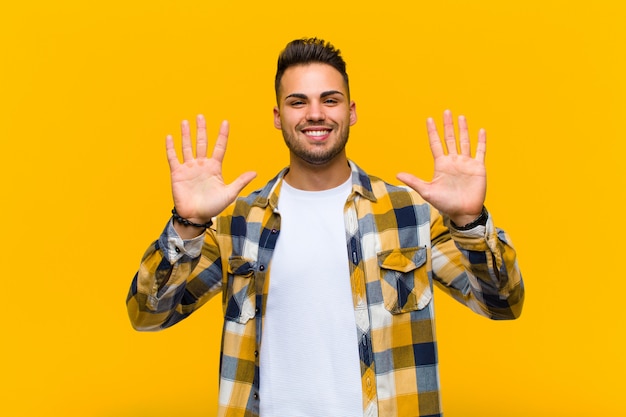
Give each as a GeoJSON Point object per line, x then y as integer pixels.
{"type": "Point", "coordinates": [316, 133]}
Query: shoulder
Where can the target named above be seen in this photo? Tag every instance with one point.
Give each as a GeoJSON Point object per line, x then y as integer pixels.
{"type": "Point", "coordinates": [374, 188]}
{"type": "Point", "coordinates": [394, 192]}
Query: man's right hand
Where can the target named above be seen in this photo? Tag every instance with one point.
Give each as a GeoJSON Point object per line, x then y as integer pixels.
{"type": "Point", "coordinates": [198, 187]}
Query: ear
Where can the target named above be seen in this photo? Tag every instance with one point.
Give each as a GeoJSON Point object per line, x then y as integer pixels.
{"type": "Point", "coordinates": [353, 117]}
{"type": "Point", "coordinates": [277, 123]}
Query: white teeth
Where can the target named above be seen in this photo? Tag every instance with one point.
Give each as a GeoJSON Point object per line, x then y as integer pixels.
{"type": "Point", "coordinates": [317, 132]}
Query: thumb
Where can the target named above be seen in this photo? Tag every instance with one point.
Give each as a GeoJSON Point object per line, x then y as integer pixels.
{"type": "Point", "coordinates": [241, 182]}
{"type": "Point", "coordinates": [415, 183]}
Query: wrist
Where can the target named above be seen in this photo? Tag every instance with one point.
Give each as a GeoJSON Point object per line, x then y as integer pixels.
{"type": "Point", "coordinates": [471, 221]}
{"type": "Point", "coordinates": [189, 222]}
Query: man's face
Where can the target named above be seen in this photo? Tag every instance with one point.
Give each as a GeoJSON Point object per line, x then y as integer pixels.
{"type": "Point", "coordinates": [314, 112]}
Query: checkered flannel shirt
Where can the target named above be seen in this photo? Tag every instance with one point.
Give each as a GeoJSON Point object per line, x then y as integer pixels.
{"type": "Point", "coordinates": [397, 247]}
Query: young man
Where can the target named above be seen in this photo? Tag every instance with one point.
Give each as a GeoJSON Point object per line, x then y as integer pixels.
{"type": "Point", "coordinates": [326, 273]}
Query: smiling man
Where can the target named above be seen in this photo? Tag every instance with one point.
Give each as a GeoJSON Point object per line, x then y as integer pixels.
{"type": "Point", "coordinates": [326, 273]}
{"type": "Point", "coordinates": [315, 121]}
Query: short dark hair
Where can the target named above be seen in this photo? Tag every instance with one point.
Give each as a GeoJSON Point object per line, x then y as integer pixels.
{"type": "Point", "coordinates": [306, 51]}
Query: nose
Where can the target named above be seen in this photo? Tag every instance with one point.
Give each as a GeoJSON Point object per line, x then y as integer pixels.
{"type": "Point", "coordinates": [315, 112]}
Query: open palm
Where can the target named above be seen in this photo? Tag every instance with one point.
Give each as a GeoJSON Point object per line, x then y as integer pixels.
{"type": "Point", "coordinates": [198, 186]}
{"type": "Point", "coordinates": [459, 182]}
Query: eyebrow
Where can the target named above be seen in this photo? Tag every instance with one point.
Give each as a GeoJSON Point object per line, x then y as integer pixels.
{"type": "Point", "coordinates": [324, 94]}
{"type": "Point", "coordinates": [330, 93]}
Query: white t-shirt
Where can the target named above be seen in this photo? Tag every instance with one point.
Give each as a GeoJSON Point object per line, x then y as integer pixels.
{"type": "Point", "coordinates": [309, 364]}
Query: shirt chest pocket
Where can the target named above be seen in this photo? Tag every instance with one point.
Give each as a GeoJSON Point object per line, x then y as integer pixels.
{"type": "Point", "coordinates": [404, 279]}
{"type": "Point", "coordinates": [240, 296]}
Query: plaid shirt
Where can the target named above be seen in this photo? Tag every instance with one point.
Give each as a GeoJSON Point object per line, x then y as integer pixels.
{"type": "Point", "coordinates": [397, 247]}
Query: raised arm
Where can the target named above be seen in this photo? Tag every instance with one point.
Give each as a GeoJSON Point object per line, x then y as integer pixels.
{"type": "Point", "coordinates": [473, 261]}
{"type": "Point", "coordinates": [173, 279]}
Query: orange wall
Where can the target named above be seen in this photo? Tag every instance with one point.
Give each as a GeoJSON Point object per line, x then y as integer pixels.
{"type": "Point", "coordinates": [89, 90]}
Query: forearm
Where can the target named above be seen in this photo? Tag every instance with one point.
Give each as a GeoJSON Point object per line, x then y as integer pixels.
{"type": "Point", "coordinates": [188, 232]}
{"type": "Point", "coordinates": [166, 288]}
{"type": "Point", "coordinates": [483, 272]}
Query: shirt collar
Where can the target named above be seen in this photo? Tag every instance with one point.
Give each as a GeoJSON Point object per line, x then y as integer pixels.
{"type": "Point", "coordinates": [361, 186]}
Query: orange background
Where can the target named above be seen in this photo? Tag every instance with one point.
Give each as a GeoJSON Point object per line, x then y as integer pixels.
{"type": "Point", "coordinates": [90, 89]}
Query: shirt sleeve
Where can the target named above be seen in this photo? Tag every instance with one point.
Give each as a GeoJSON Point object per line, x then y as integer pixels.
{"type": "Point", "coordinates": [175, 247]}
{"type": "Point", "coordinates": [478, 267]}
{"type": "Point", "coordinates": [174, 279]}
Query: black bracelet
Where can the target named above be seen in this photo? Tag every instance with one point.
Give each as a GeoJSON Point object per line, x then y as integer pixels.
{"type": "Point", "coordinates": [186, 222]}
{"type": "Point", "coordinates": [480, 221]}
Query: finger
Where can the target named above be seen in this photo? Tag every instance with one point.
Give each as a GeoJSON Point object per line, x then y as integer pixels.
{"type": "Point", "coordinates": [241, 182]}
{"type": "Point", "coordinates": [219, 150]}
{"type": "Point", "coordinates": [415, 183]}
{"type": "Point", "coordinates": [435, 143]}
{"type": "Point", "coordinates": [201, 139]}
{"type": "Point", "coordinates": [187, 148]}
{"type": "Point", "coordinates": [481, 147]}
{"type": "Point", "coordinates": [448, 132]}
{"type": "Point", "coordinates": [464, 140]}
{"type": "Point", "coordinates": [170, 151]}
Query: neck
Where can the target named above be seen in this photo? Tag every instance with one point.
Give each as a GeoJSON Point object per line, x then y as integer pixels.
{"type": "Point", "coordinates": [307, 177]}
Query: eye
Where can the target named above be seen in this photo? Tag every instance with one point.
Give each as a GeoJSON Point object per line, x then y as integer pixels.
{"type": "Point", "coordinates": [296, 103]}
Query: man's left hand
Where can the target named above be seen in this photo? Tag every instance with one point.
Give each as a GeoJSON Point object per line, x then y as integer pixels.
{"type": "Point", "coordinates": [459, 183]}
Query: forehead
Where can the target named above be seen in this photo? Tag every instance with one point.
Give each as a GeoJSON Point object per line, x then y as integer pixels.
{"type": "Point", "coordinates": [311, 79]}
